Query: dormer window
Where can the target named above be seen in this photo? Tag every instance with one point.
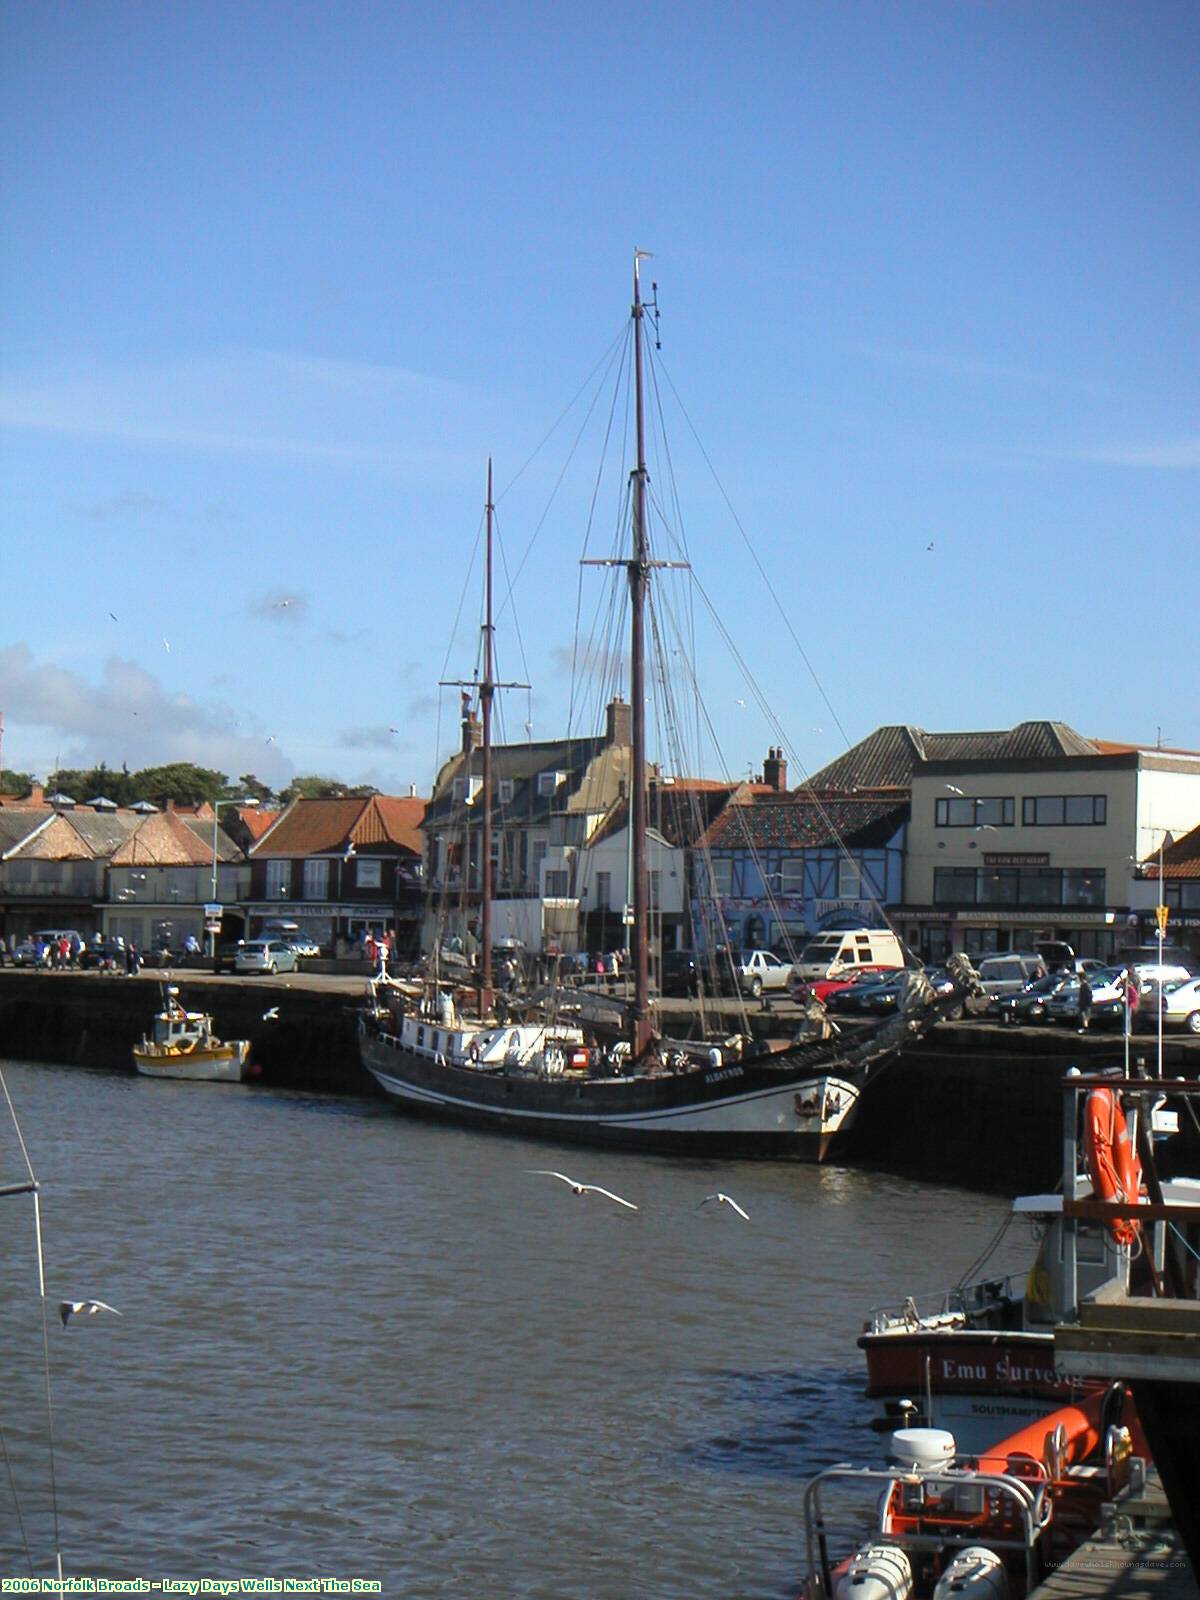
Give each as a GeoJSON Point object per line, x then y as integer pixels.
{"type": "Point", "coordinates": [505, 791]}
{"type": "Point", "coordinates": [548, 784]}
{"type": "Point", "coordinates": [465, 789]}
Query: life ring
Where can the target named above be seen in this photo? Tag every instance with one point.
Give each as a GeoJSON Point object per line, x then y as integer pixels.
{"type": "Point", "coordinates": [1112, 1162]}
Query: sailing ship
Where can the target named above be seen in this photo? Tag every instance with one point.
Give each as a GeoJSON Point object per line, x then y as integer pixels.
{"type": "Point", "coordinates": [184, 1045]}
{"type": "Point", "coordinates": [555, 1065]}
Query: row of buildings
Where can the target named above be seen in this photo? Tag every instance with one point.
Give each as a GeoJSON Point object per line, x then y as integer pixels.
{"type": "Point", "coordinates": [976, 841]}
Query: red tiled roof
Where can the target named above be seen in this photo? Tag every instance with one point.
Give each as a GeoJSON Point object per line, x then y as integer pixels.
{"type": "Point", "coordinates": [316, 827]}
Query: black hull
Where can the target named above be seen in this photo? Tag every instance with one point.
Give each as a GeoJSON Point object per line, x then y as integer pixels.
{"type": "Point", "coordinates": [792, 1109]}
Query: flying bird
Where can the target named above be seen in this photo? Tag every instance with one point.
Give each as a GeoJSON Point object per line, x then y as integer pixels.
{"type": "Point", "coordinates": [580, 1188]}
{"type": "Point", "coordinates": [929, 546]}
{"type": "Point", "coordinates": [166, 644]}
{"type": "Point", "coordinates": [271, 739]}
{"type": "Point", "coordinates": [953, 788]}
{"type": "Point", "coordinates": [725, 1200]}
{"type": "Point", "coordinates": [393, 730]}
{"type": "Point", "coordinates": [272, 1015]}
{"type": "Point", "coordinates": [83, 1308]}
{"type": "Point", "coordinates": [113, 615]}
{"type": "Point", "coordinates": [281, 605]}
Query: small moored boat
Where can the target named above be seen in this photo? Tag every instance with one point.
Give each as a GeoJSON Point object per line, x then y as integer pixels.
{"type": "Point", "coordinates": [183, 1045]}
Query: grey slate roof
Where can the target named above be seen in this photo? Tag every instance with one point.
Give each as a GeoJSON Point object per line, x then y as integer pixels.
{"type": "Point", "coordinates": [102, 831]}
{"type": "Point", "coordinates": [520, 763]}
{"type": "Point", "coordinates": [891, 755]}
{"type": "Point", "coordinates": [804, 820]}
{"type": "Point", "coordinates": [17, 823]}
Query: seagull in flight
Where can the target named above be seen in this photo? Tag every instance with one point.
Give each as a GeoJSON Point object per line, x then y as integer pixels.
{"type": "Point", "coordinates": [953, 788]}
{"type": "Point", "coordinates": [113, 615]}
{"type": "Point", "coordinates": [281, 605]}
{"type": "Point", "coordinates": [725, 1200]}
{"type": "Point", "coordinates": [166, 644]}
{"type": "Point", "coordinates": [83, 1308]}
{"type": "Point", "coordinates": [580, 1188]}
{"type": "Point", "coordinates": [272, 1015]}
{"type": "Point", "coordinates": [929, 546]}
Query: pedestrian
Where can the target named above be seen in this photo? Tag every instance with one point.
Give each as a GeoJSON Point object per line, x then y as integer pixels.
{"type": "Point", "coordinates": [1129, 985]}
{"type": "Point", "coordinates": [1085, 1002]}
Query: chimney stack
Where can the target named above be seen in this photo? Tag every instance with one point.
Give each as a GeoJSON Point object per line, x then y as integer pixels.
{"type": "Point", "coordinates": [620, 722]}
{"type": "Point", "coordinates": [775, 770]}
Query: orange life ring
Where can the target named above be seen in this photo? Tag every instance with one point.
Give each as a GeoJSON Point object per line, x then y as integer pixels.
{"type": "Point", "coordinates": [1112, 1162]}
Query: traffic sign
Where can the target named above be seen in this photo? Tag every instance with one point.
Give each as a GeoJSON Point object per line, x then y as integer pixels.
{"type": "Point", "coordinates": [212, 909]}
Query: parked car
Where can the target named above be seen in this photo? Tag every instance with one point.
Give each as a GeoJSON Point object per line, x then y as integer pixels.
{"type": "Point", "coordinates": [1027, 1004]}
{"type": "Point", "coordinates": [1108, 1000]}
{"type": "Point", "coordinates": [107, 954]}
{"type": "Point", "coordinates": [304, 945]}
{"type": "Point", "coordinates": [682, 972]}
{"type": "Point", "coordinates": [754, 971]}
{"type": "Point", "coordinates": [1009, 973]}
{"type": "Point", "coordinates": [871, 997]}
{"type": "Point", "coordinates": [821, 989]}
{"type": "Point", "coordinates": [1179, 1002]}
{"type": "Point", "coordinates": [225, 955]}
{"type": "Point", "coordinates": [265, 955]}
{"type": "Point", "coordinates": [29, 952]}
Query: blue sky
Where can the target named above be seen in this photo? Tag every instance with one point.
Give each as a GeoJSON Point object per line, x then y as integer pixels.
{"type": "Point", "coordinates": [278, 278]}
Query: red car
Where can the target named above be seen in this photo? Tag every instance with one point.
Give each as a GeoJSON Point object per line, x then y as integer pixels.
{"type": "Point", "coordinates": [822, 988]}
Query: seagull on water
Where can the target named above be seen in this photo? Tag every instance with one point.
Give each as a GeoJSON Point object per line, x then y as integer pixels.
{"type": "Point", "coordinates": [84, 1308]}
{"type": "Point", "coordinates": [580, 1188]}
{"type": "Point", "coordinates": [725, 1200]}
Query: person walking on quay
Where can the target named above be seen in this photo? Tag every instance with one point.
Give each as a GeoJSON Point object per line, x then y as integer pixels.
{"type": "Point", "coordinates": [1085, 1002]}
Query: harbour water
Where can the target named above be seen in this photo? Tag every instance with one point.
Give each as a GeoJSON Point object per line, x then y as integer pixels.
{"type": "Point", "coordinates": [353, 1345]}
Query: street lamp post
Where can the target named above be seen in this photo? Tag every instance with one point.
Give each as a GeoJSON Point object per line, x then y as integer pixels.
{"type": "Point", "coordinates": [250, 802]}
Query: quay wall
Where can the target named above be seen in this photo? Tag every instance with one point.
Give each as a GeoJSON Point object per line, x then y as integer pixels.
{"type": "Point", "coordinates": [972, 1105]}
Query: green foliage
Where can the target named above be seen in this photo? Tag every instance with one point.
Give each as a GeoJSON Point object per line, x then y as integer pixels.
{"type": "Point", "coordinates": [251, 786]}
{"type": "Point", "coordinates": [317, 788]}
{"type": "Point", "coordinates": [18, 783]}
{"type": "Point", "coordinates": [182, 782]}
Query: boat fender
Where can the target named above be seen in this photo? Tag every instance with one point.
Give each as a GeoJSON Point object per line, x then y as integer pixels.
{"type": "Point", "coordinates": [1112, 1162]}
{"type": "Point", "coordinates": [473, 1052]}
{"type": "Point", "coordinates": [877, 1571]}
{"type": "Point", "coordinates": [975, 1571]}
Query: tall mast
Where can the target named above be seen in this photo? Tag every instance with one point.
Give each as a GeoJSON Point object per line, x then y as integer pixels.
{"type": "Point", "coordinates": [487, 689]}
{"type": "Point", "coordinates": [639, 577]}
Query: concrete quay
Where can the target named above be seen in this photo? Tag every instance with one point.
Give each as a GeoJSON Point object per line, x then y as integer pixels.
{"type": "Point", "coordinates": [972, 1104]}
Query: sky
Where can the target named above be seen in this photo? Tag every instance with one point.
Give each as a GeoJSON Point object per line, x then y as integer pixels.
{"type": "Point", "coordinates": [277, 279]}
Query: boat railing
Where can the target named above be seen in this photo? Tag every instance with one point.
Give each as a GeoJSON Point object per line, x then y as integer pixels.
{"type": "Point", "coordinates": [951, 1309]}
{"type": "Point", "coordinates": [1030, 1512]}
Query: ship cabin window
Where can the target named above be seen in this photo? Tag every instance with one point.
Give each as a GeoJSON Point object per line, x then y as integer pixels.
{"type": "Point", "coordinates": [420, 1038]}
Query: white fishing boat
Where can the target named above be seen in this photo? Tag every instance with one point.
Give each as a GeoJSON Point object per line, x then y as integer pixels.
{"type": "Point", "coordinates": [182, 1044]}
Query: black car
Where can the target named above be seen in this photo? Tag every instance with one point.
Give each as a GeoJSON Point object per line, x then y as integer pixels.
{"type": "Point", "coordinates": [1028, 1004]}
{"type": "Point", "coordinates": [681, 972]}
{"type": "Point", "coordinates": [872, 996]}
{"type": "Point", "coordinates": [225, 957]}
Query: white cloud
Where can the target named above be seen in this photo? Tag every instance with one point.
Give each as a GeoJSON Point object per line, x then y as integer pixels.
{"type": "Point", "coordinates": [127, 717]}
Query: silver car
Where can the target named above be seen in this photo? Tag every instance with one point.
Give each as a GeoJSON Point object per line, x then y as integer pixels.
{"type": "Point", "coordinates": [265, 955]}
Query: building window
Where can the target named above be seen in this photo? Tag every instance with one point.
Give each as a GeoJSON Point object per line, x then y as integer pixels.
{"type": "Point", "coordinates": [849, 879]}
{"type": "Point", "coordinates": [975, 812]}
{"type": "Point", "coordinates": [278, 878]}
{"type": "Point", "coordinates": [604, 890]}
{"type": "Point", "coordinates": [1070, 811]}
{"type": "Point", "coordinates": [505, 791]}
{"type": "Point", "coordinates": [722, 874]}
{"type": "Point", "coordinates": [791, 875]}
{"type": "Point", "coordinates": [368, 873]}
{"type": "Point", "coordinates": [467, 788]}
{"type": "Point", "coordinates": [539, 855]}
{"type": "Point", "coordinates": [316, 879]}
{"type": "Point", "coordinates": [954, 886]}
{"type": "Point", "coordinates": [655, 877]}
{"type": "Point", "coordinates": [547, 784]}
{"type": "Point", "coordinates": [1083, 886]}
{"type": "Point", "coordinates": [556, 883]}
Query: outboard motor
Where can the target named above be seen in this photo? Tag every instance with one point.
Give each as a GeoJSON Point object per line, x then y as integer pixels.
{"type": "Point", "coordinates": [976, 1573]}
{"type": "Point", "coordinates": [877, 1572]}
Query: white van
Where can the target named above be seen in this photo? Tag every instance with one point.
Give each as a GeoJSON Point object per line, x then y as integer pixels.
{"type": "Point", "coordinates": [829, 955]}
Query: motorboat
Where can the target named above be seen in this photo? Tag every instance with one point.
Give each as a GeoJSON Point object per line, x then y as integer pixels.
{"type": "Point", "coordinates": [182, 1044]}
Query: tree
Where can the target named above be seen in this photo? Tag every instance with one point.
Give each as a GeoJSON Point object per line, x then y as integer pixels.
{"type": "Point", "coordinates": [17, 783]}
{"type": "Point", "coordinates": [182, 782]}
{"type": "Point", "coordinates": [317, 788]}
{"type": "Point", "coordinates": [248, 784]}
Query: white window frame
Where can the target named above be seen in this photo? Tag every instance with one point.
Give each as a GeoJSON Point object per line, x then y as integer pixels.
{"type": "Point", "coordinates": [316, 878]}
{"type": "Point", "coordinates": [850, 878]}
{"type": "Point", "coordinates": [368, 873]}
{"type": "Point", "coordinates": [504, 791]}
{"type": "Point", "coordinates": [548, 784]}
{"type": "Point", "coordinates": [279, 875]}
